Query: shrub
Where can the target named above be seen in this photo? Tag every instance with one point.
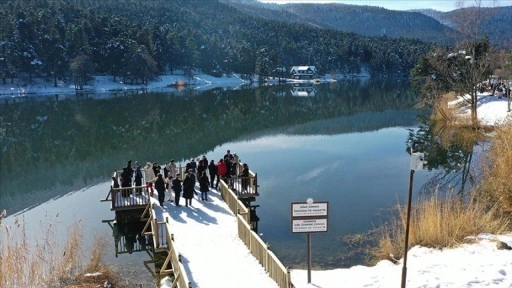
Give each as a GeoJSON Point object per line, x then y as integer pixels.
{"type": "Point", "coordinates": [45, 262]}
{"type": "Point", "coordinates": [437, 222]}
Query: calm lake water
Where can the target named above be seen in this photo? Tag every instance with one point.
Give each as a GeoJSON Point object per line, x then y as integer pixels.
{"type": "Point", "coordinates": [345, 143]}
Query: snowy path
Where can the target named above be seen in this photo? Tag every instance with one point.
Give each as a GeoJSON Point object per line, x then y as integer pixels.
{"type": "Point", "coordinates": [206, 237]}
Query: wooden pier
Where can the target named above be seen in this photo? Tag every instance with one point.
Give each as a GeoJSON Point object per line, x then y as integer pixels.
{"type": "Point", "coordinates": [135, 203]}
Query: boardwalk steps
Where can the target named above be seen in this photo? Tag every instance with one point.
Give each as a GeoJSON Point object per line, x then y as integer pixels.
{"type": "Point", "coordinates": [137, 198]}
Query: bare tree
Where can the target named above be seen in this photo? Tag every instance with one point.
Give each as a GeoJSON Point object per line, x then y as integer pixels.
{"type": "Point", "coordinates": [465, 66]}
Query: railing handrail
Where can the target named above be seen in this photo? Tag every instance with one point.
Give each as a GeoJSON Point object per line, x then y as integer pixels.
{"type": "Point", "coordinates": [260, 250]}
{"type": "Point", "coordinates": [277, 271]}
{"type": "Point", "coordinates": [172, 254]}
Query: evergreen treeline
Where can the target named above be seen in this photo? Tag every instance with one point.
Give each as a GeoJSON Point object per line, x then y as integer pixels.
{"type": "Point", "coordinates": [422, 24]}
{"type": "Point", "coordinates": [362, 20]}
{"type": "Point", "coordinates": [136, 40]}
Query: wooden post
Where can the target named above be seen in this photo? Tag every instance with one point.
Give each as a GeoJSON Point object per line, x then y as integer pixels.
{"type": "Point", "coordinates": [256, 183]}
{"type": "Point", "coordinates": [266, 258]}
{"type": "Point", "coordinates": [288, 278]}
{"type": "Point", "coordinates": [408, 220]}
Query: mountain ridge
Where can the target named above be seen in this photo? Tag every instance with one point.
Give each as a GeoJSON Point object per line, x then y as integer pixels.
{"type": "Point", "coordinates": [427, 25]}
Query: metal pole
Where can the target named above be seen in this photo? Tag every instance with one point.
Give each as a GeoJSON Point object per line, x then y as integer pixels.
{"type": "Point", "coordinates": [309, 258]}
{"type": "Point", "coordinates": [507, 92]}
{"type": "Point", "coordinates": [406, 245]}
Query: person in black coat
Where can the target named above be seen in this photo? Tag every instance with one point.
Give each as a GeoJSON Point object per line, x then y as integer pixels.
{"type": "Point", "coordinates": [212, 170]}
{"type": "Point", "coordinates": [245, 177]}
{"type": "Point", "coordinates": [138, 179]}
{"type": "Point", "coordinates": [204, 186]}
{"type": "Point", "coordinates": [160, 188]}
{"type": "Point", "coordinates": [176, 187]}
{"type": "Point", "coordinates": [129, 172]}
{"type": "Point", "coordinates": [156, 168]}
{"type": "Point", "coordinates": [188, 189]}
{"type": "Point", "coordinates": [115, 183]}
{"type": "Point", "coordinates": [202, 167]}
{"type": "Point", "coordinates": [126, 181]}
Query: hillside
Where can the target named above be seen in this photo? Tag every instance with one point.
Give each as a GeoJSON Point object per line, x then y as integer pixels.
{"type": "Point", "coordinates": [425, 25]}
{"type": "Point", "coordinates": [138, 40]}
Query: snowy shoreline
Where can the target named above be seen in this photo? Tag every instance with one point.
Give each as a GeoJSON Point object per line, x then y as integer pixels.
{"type": "Point", "coordinates": [106, 84]}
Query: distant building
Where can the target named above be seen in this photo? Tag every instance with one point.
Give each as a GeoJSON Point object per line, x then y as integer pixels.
{"type": "Point", "coordinates": [303, 72]}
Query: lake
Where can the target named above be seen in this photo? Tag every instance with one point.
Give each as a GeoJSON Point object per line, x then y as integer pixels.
{"type": "Point", "coordinates": [345, 143]}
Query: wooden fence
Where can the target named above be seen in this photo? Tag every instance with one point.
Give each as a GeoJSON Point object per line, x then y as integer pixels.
{"type": "Point", "coordinates": [163, 240]}
{"type": "Point", "coordinates": [272, 265]}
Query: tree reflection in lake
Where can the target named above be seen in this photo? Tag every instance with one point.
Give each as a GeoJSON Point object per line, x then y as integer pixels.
{"type": "Point", "coordinates": [347, 131]}
{"type": "Point", "coordinates": [450, 151]}
{"type": "Point", "coordinates": [54, 144]}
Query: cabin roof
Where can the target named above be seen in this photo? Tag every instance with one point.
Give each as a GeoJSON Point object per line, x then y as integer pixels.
{"type": "Point", "coordinates": [303, 68]}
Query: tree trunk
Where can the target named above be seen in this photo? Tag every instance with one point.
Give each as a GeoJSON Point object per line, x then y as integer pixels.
{"type": "Point", "coordinates": [474, 106]}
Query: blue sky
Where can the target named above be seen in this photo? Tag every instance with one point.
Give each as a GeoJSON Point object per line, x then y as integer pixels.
{"type": "Point", "coordinates": [440, 5]}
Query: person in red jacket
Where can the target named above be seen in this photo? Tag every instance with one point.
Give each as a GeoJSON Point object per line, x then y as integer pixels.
{"type": "Point", "coordinates": [222, 170]}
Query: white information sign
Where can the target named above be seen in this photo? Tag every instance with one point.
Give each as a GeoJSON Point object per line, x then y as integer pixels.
{"type": "Point", "coordinates": [308, 210]}
{"type": "Point", "coordinates": [309, 225]}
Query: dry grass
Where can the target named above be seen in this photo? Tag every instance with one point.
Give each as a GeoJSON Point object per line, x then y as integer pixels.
{"type": "Point", "coordinates": [497, 182]}
{"type": "Point", "coordinates": [48, 262]}
{"type": "Point", "coordinates": [446, 222]}
{"type": "Point", "coordinates": [450, 127]}
{"type": "Point", "coordinates": [438, 222]}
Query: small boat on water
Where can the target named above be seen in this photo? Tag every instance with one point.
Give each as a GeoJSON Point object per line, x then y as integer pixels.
{"type": "Point", "coordinates": [179, 83]}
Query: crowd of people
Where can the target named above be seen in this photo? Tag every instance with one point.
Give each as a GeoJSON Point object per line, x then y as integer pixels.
{"type": "Point", "coordinates": [496, 86]}
{"type": "Point", "coordinates": [168, 178]}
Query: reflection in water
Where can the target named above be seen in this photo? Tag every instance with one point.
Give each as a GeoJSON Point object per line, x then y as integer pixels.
{"type": "Point", "coordinates": [451, 151]}
{"type": "Point", "coordinates": [54, 145]}
{"type": "Point", "coordinates": [303, 90]}
{"type": "Point", "coordinates": [128, 238]}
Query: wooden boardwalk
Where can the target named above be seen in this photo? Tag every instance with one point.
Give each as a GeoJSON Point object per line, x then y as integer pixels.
{"type": "Point", "coordinates": [194, 245]}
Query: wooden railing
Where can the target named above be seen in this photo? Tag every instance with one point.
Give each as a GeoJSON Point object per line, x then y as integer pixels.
{"type": "Point", "coordinates": [234, 204]}
{"type": "Point", "coordinates": [276, 270]}
{"type": "Point", "coordinates": [163, 240]}
{"type": "Point", "coordinates": [260, 250]}
{"type": "Point", "coordinates": [180, 277]}
{"type": "Point", "coordinates": [127, 197]}
{"type": "Point", "coordinates": [244, 187]}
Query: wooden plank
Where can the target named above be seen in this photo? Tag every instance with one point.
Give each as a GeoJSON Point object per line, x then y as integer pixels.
{"type": "Point", "coordinates": [176, 279]}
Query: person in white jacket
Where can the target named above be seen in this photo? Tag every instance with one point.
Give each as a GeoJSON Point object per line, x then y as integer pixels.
{"type": "Point", "coordinates": [149, 176]}
{"type": "Point", "coordinates": [172, 168]}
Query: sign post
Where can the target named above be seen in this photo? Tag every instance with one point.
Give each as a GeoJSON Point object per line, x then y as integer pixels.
{"type": "Point", "coordinates": [309, 217]}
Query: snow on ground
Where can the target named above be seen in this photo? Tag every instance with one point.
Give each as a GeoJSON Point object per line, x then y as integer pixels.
{"type": "Point", "coordinates": [103, 84]}
{"type": "Point", "coordinates": [206, 236]}
{"type": "Point", "coordinates": [470, 265]}
{"type": "Point", "coordinates": [492, 110]}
